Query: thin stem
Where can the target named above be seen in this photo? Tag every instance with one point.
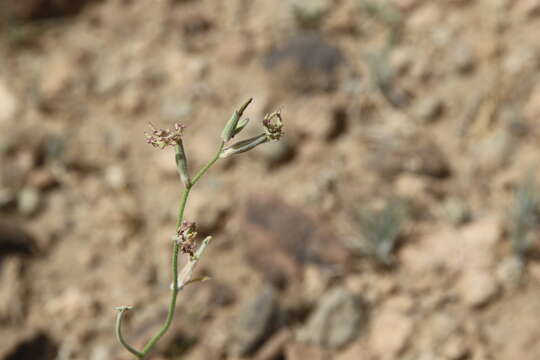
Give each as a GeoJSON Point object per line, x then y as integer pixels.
{"type": "Point", "coordinates": [172, 304]}
{"type": "Point", "coordinates": [180, 218]}
{"type": "Point", "coordinates": [119, 336]}
{"type": "Point", "coordinates": [208, 166]}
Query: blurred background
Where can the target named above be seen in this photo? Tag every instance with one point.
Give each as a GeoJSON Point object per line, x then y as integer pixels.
{"type": "Point", "coordinates": [397, 219]}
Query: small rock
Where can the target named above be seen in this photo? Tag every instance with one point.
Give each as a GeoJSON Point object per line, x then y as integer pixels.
{"type": "Point", "coordinates": [8, 104]}
{"type": "Point", "coordinates": [12, 290]}
{"type": "Point", "coordinates": [509, 271]}
{"type": "Point", "coordinates": [306, 63]}
{"type": "Point", "coordinates": [115, 176]}
{"type": "Point", "coordinates": [412, 187]}
{"type": "Point", "coordinates": [14, 240]}
{"type": "Point", "coordinates": [254, 323]}
{"type": "Point", "coordinates": [275, 347]}
{"type": "Point", "coordinates": [493, 151]}
{"type": "Point", "coordinates": [457, 210]}
{"type": "Point", "coordinates": [477, 287]}
{"type": "Point", "coordinates": [455, 348]}
{"type": "Point", "coordinates": [282, 239]}
{"type": "Point", "coordinates": [309, 14]}
{"type": "Point", "coordinates": [430, 109]}
{"type": "Point", "coordinates": [42, 179]}
{"type": "Point", "coordinates": [390, 332]}
{"type": "Point", "coordinates": [463, 58]}
{"type": "Point", "coordinates": [295, 351]}
{"type": "Point", "coordinates": [335, 322]}
{"type": "Point", "coordinates": [392, 154]}
{"type": "Point", "coordinates": [401, 60]}
{"type": "Point", "coordinates": [315, 282]}
{"type": "Point", "coordinates": [28, 201]}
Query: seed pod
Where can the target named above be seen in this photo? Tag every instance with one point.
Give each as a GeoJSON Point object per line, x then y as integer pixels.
{"type": "Point", "coordinates": [240, 126]}
{"type": "Point", "coordinates": [181, 164]}
{"type": "Point", "coordinates": [231, 126]}
{"type": "Point", "coordinates": [244, 145]}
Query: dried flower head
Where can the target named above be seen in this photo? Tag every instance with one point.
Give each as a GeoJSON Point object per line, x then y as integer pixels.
{"type": "Point", "coordinates": [186, 236]}
{"type": "Point", "coordinates": [273, 125]}
{"type": "Point", "coordinates": [161, 138]}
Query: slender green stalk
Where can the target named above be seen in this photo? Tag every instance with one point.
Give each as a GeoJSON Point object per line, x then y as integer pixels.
{"type": "Point", "coordinates": [119, 316]}
{"type": "Point", "coordinates": [172, 304]}
{"type": "Point", "coordinates": [161, 138]}
{"type": "Point", "coordinates": [208, 166]}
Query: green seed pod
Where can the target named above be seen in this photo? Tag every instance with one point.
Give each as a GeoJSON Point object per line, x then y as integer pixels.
{"type": "Point", "coordinates": [244, 145]}
{"type": "Point", "coordinates": [240, 126]}
{"type": "Point", "coordinates": [231, 126]}
{"type": "Point", "coordinates": [181, 164]}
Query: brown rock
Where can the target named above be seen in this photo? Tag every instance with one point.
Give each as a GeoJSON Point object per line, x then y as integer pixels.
{"type": "Point", "coordinates": [40, 9]}
{"type": "Point", "coordinates": [477, 287]}
{"type": "Point", "coordinates": [296, 351]}
{"type": "Point", "coordinates": [390, 332]}
{"type": "Point", "coordinates": [306, 63]}
{"type": "Point", "coordinates": [335, 322]}
{"type": "Point", "coordinates": [282, 238]}
{"type": "Point", "coordinates": [12, 289]}
{"type": "Point", "coordinates": [254, 323]}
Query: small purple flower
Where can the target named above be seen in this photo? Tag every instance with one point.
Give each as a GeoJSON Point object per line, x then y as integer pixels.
{"type": "Point", "coordinates": [161, 138]}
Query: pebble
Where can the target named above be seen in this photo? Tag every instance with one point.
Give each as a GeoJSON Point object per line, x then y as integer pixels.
{"type": "Point", "coordinates": [254, 323]}
{"type": "Point", "coordinates": [310, 13]}
{"type": "Point", "coordinates": [390, 332]}
{"type": "Point", "coordinates": [305, 63]}
{"type": "Point", "coordinates": [463, 58]}
{"type": "Point", "coordinates": [8, 104]}
{"type": "Point", "coordinates": [28, 201]}
{"type": "Point", "coordinates": [477, 287]}
{"type": "Point", "coordinates": [430, 109]}
{"type": "Point", "coordinates": [509, 271]}
{"type": "Point", "coordinates": [335, 322]}
{"type": "Point", "coordinates": [115, 176]}
{"type": "Point", "coordinates": [296, 351]}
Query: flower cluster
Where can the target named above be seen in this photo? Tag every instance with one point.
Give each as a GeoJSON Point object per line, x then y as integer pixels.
{"type": "Point", "coordinates": [161, 138]}
{"type": "Point", "coordinates": [273, 125]}
{"type": "Point", "coordinates": [186, 237]}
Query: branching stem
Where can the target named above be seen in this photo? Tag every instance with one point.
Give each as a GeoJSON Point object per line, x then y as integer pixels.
{"type": "Point", "coordinates": [176, 247]}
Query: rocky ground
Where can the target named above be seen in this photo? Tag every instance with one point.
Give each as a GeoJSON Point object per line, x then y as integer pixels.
{"type": "Point", "coordinates": [398, 219]}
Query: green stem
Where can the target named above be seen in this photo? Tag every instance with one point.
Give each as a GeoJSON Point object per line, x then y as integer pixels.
{"type": "Point", "coordinates": [119, 335]}
{"type": "Point", "coordinates": [172, 305]}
